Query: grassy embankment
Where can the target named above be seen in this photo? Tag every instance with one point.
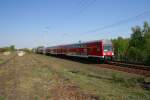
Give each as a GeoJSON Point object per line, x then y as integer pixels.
{"type": "Point", "coordinates": [106, 83]}
{"type": "Point", "coordinates": [36, 77]}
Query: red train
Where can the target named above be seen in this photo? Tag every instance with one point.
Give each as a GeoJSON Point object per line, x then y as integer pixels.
{"type": "Point", "coordinates": [100, 49]}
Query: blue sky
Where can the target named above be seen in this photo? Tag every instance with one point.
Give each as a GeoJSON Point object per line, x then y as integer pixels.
{"type": "Point", "coordinates": [31, 23]}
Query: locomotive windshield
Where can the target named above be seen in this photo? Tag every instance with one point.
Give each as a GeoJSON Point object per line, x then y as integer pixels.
{"type": "Point", "coordinates": [107, 47]}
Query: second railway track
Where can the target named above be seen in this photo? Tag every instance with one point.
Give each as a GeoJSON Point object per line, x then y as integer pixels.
{"type": "Point", "coordinates": [134, 66]}
{"type": "Point", "coordinates": [129, 68]}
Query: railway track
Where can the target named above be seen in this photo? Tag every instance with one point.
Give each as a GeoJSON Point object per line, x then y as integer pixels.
{"type": "Point", "coordinates": [134, 66]}
{"type": "Point", "coordinates": [129, 68]}
{"type": "Point", "coordinates": [115, 65]}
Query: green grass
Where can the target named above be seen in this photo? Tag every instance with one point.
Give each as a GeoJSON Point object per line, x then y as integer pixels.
{"type": "Point", "coordinates": [117, 88]}
{"type": "Point", "coordinates": [1, 61]}
{"type": "Point", "coordinates": [106, 83]}
{"type": "Point", "coordinates": [2, 98]}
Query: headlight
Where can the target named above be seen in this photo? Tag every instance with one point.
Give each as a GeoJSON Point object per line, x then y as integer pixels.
{"type": "Point", "coordinates": [104, 53]}
{"type": "Point", "coordinates": [112, 53]}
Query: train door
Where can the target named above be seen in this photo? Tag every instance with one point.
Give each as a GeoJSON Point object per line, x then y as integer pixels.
{"type": "Point", "coordinates": [89, 49]}
{"type": "Point", "coordinates": [83, 50]}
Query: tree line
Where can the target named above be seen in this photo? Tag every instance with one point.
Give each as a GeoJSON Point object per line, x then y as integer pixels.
{"type": "Point", "coordinates": [135, 49]}
{"type": "Point", "coordinates": [9, 48]}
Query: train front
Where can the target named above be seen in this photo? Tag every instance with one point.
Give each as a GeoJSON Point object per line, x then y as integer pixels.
{"type": "Point", "coordinates": [108, 52]}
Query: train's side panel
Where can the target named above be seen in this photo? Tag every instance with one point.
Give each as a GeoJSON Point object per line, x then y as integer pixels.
{"type": "Point", "coordinates": [78, 50]}
{"type": "Point", "coordinates": [40, 50]}
{"type": "Point", "coordinates": [95, 49]}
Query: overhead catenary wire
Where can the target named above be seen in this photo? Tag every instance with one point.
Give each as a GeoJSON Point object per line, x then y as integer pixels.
{"type": "Point", "coordinates": [84, 5]}
{"type": "Point", "coordinates": [81, 2]}
{"type": "Point", "coordinates": [141, 15]}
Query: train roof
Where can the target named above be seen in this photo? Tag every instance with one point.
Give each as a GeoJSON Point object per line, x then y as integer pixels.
{"type": "Point", "coordinates": [104, 41]}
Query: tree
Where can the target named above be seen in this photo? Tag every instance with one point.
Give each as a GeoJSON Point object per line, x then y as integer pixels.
{"type": "Point", "coordinates": [146, 51]}
{"type": "Point", "coordinates": [120, 47]}
{"type": "Point", "coordinates": [134, 55]}
{"type": "Point", "coordinates": [12, 47]}
{"type": "Point", "coordinates": [136, 48]}
{"type": "Point", "coordinates": [137, 38]}
{"type": "Point", "coordinates": [136, 45]}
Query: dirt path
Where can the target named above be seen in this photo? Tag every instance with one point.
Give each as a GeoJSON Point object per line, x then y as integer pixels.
{"type": "Point", "coordinates": [32, 78]}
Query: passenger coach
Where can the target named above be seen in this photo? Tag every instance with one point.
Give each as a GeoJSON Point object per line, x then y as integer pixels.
{"type": "Point", "coordinates": [100, 49]}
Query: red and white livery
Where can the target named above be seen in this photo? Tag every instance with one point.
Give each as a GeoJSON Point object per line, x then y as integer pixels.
{"type": "Point", "coordinates": [102, 49]}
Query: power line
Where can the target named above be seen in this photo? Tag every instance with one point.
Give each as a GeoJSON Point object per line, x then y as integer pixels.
{"type": "Point", "coordinates": [84, 5]}
{"type": "Point", "coordinates": [82, 2]}
{"type": "Point", "coordinates": [119, 22]}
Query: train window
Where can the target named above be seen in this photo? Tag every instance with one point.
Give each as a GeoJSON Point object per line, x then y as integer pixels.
{"type": "Point", "coordinates": [79, 46]}
{"type": "Point", "coordinates": [76, 46]}
{"type": "Point", "coordinates": [107, 47]}
{"type": "Point", "coordinates": [84, 46]}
